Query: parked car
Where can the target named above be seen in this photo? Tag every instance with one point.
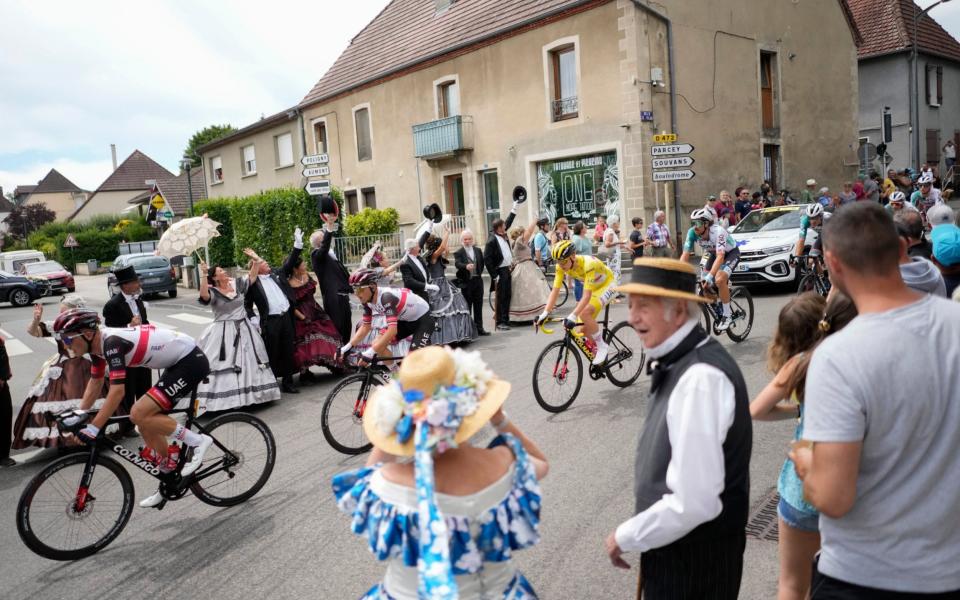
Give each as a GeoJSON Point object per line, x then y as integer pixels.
{"type": "Point", "coordinates": [766, 238]}
{"type": "Point", "coordinates": [12, 262]}
{"type": "Point", "coordinates": [19, 290]}
{"type": "Point", "coordinates": [61, 281]}
{"type": "Point", "coordinates": [156, 274]}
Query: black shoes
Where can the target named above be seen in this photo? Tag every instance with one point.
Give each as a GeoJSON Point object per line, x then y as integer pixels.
{"type": "Point", "coordinates": [503, 327]}
{"type": "Point", "coordinates": [481, 331]}
{"type": "Point", "coordinates": [287, 386]}
{"type": "Point", "coordinates": [7, 462]}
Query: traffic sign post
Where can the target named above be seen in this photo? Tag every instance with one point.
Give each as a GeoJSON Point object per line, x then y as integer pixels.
{"type": "Point", "coordinates": [673, 162]}
{"type": "Point", "coordinates": [314, 159]}
{"type": "Point", "coordinates": [674, 175]}
{"type": "Point", "coordinates": [322, 171]}
{"type": "Point", "coordinates": [319, 187]}
{"type": "Point", "coordinates": [70, 242]}
{"type": "Point", "coordinates": [668, 149]}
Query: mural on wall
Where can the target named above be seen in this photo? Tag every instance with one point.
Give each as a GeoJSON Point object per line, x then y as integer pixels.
{"type": "Point", "coordinates": [579, 188]}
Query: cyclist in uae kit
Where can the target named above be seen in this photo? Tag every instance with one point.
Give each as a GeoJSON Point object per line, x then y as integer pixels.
{"type": "Point", "coordinates": [598, 281]}
{"type": "Point", "coordinates": [114, 349]}
{"type": "Point", "coordinates": [406, 314]}
{"type": "Point", "coordinates": [720, 256]}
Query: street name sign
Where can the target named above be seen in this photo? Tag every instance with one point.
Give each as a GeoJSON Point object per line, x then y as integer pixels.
{"type": "Point", "coordinates": [319, 187]}
{"type": "Point", "coordinates": [672, 162]}
{"type": "Point", "coordinates": [70, 242]}
{"type": "Point", "coordinates": [314, 159]}
{"type": "Point", "coordinates": [321, 171]}
{"type": "Point", "coordinates": [675, 175]}
{"type": "Point", "coordinates": [668, 149]}
{"type": "Point", "coordinates": [664, 138]}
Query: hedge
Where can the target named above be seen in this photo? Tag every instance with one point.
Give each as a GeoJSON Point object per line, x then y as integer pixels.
{"type": "Point", "coordinates": [372, 221]}
{"type": "Point", "coordinates": [98, 238]}
{"type": "Point", "coordinates": [221, 248]}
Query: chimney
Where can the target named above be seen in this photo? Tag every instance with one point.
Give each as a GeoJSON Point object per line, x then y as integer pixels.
{"type": "Point", "coordinates": [113, 155]}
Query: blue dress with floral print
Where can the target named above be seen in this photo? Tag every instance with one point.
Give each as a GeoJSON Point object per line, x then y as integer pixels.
{"type": "Point", "coordinates": [392, 532]}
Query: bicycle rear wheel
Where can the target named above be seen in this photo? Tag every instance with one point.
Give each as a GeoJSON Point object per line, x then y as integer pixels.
{"type": "Point", "coordinates": [342, 418]}
{"type": "Point", "coordinates": [808, 283]}
{"type": "Point", "coordinates": [741, 307]}
{"type": "Point", "coordinates": [59, 520]}
{"type": "Point", "coordinates": [626, 357]}
{"type": "Point", "coordinates": [705, 320]}
{"type": "Point", "coordinates": [229, 478]}
{"type": "Point", "coordinates": [562, 298]}
{"type": "Point", "coordinates": [557, 376]}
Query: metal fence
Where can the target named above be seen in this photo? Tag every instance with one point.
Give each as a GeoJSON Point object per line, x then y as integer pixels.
{"type": "Point", "coordinates": [350, 249]}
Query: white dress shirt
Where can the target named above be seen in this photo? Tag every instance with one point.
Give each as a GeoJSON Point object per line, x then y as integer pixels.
{"type": "Point", "coordinates": [472, 254]}
{"type": "Point", "coordinates": [276, 299]}
{"type": "Point", "coordinates": [132, 303]}
{"type": "Point", "coordinates": [699, 415]}
{"type": "Point", "coordinates": [505, 250]}
{"type": "Point", "coordinates": [414, 260]}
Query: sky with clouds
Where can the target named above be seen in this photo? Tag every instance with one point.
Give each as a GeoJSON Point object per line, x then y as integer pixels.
{"type": "Point", "coordinates": [78, 76]}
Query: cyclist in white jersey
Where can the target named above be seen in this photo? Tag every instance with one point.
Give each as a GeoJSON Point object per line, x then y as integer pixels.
{"type": "Point", "coordinates": [720, 256]}
{"type": "Point", "coordinates": [113, 350]}
{"type": "Point", "coordinates": [406, 314]}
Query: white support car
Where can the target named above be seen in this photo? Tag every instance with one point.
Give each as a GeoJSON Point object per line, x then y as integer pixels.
{"type": "Point", "coordinates": [767, 238]}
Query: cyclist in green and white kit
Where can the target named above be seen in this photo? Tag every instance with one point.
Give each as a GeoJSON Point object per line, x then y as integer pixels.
{"type": "Point", "coordinates": [720, 256]}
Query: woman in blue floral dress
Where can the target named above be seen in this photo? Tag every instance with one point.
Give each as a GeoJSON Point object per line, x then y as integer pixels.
{"type": "Point", "coordinates": [447, 522]}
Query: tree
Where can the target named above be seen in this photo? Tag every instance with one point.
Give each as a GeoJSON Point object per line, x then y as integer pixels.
{"type": "Point", "coordinates": [25, 219]}
{"type": "Point", "coordinates": [205, 136]}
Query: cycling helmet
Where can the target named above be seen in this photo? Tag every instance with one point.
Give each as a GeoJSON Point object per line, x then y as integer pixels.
{"type": "Point", "coordinates": [926, 179]}
{"type": "Point", "coordinates": [814, 210]}
{"type": "Point", "coordinates": [897, 197]}
{"type": "Point", "coordinates": [562, 250]}
{"type": "Point", "coordinates": [707, 215]}
{"type": "Point", "coordinates": [75, 319]}
{"type": "Point", "coordinates": [363, 278]}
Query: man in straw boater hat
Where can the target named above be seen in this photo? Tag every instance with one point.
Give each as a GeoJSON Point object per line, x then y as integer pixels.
{"type": "Point", "coordinates": [448, 521]}
{"type": "Point", "coordinates": [692, 464]}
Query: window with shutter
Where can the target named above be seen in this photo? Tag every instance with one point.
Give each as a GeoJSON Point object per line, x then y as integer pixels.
{"type": "Point", "coordinates": [939, 85]}
{"type": "Point", "coordinates": [284, 149]}
{"type": "Point", "coordinates": [361, 120]}
{"type": "Point", "coordinates": [216, 170]}
{"type": "Point", "coordinates": [249, 160]}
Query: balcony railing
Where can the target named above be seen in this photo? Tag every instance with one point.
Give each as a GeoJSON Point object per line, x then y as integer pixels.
{"type": "Point", "coordinates": [443, 137]}
{"type": "Point", "coordinates": [350, 249]}
{"type": "Point", "coordinates": [565, 108]}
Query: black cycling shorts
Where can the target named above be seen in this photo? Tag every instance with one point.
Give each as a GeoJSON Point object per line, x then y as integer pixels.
{"type": "Point", "coordinates": [730, 261]}
{"type": "Point", "coordinates": [180, 379]}
{"type": "Point", "coordinates": [421, 330]}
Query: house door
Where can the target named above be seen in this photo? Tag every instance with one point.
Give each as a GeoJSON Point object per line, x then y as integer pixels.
{"type": "Point", "coordinates": [771, 156]}
{"type": "Point", "coordinates": [454, 200]}
{"type": "Point", "coordinates": [491, 197]}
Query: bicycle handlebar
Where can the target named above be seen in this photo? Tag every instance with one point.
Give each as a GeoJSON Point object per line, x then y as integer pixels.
{"type": "Point", "coordinates": [543, 324]}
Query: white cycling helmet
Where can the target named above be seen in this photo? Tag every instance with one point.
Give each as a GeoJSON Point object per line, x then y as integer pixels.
{"type": "Point", "coordinates": [814, 210]}
{"type": "Point", "coordinates": [704, 214]}
{"type": "Point", "coordinates": [926, 178]}
{"type": "Point", "coordinates": [897, 197]}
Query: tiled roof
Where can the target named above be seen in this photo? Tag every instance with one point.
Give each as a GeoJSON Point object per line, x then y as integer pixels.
{"type": "Point", "coordinates": [408, 32]}
{"type": "Point", "coordinates": [887, 27]}
{"type": "Point", "coordinates": [177, 194]}
{"type": "Point", "coordinates": [55, 182]}
{"type": "Point", "coordinates": [23, 190]}
{"type": "Point", "coordinates": [264, 123]}
{"type": "Point", "coordinates": [133, 172]}
{"type": "Point", "coordinates": [5, 205]}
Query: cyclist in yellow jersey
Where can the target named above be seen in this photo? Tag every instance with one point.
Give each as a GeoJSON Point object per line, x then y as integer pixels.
{"type": "Point", "coordinates": [598, 281]}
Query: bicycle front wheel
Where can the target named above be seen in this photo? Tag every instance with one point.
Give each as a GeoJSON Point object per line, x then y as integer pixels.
{"type": "Point", "coordinates": [741, 307]}
{"type": "Point", "coordinates": [238, 464]}
{"type": "Point", "coordinates": [342, 417]}
{"type": "Point", "coordinates": [60, 520]}
{"type": "Point", "coordinates": [557, 376]}
{"type": "Point", "coordinates": [808, 283]}
{"type": "Point", "coordinates": [626, 357]}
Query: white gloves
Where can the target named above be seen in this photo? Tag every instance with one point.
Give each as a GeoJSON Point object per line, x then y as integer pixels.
{"type": "Point", "coordinates": [368, 354]}
{"type": "Point", "coordinates": [431, 287]}
{"type": "Point", "coordinates": [346, 348]}
{"type": "Point", "coordinates": [298, 238]}
{"type": "Point", "coordinates": [76, 416]}
{"type": "Point", "coordinates": [424, 227]}
{"type": "Point", "coordinates": [543, 317]}
{"type": "Point", "coordinates": [331, 226]}
{"type": "Point", "coordinates": [513, 209]}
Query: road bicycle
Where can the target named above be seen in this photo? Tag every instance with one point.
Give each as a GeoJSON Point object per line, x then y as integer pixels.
{"type": "Point", "coordinates": [741, 311]}
{"type": "Point", "coordinates": [548, 279]}
{"type": "Point", "coordinates": [81, 502]}
{"type": "Point", "coordinates": [341, 419]}
{"type": "Point", "coordinates": [558, 372]}
{"type": "Point", "coordinates": [812, 278]}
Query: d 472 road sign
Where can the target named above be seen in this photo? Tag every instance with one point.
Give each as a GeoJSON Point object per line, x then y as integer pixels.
{"type": "Point", "coordinates": [321, 171]}
{"type": "Point", "coordinates": [675, 175]}
{"type": "Point", "coordinates": [314, 159]}
{"type": "Point", "coordinates": [320, 187]}
{"type": "Point", "coordinates": [672, 162]}
{"type": "Point", "coordinates": [664, 138]}
{"type": "Point", "coordinates": [668, 149]}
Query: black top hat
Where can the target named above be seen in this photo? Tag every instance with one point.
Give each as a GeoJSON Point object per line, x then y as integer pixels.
{"type": "Point", "coordinates": [126, 275]}
{"type": "Point", "coordinates": [433, 212]}
{"type": "Point", "coordinates": [326, 205]}
{"type": "Point", "coordinates": [519, 194]}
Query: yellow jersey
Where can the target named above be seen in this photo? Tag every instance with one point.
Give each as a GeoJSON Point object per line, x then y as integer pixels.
{"type": "Point", "coordinates": [594, 274]}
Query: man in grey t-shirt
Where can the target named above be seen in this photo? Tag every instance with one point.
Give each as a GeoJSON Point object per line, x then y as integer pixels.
{"type": "Point", "coordinates": [886, 434]}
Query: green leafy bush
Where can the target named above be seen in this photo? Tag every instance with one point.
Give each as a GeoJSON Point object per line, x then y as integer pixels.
{"type": "Point", "coordinates": [372, 221]}
{"type": "Point", "coordinates": [98, 238]}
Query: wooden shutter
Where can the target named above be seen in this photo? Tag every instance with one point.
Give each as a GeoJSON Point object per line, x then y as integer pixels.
{"type": "Point", "coordinates": [933, 146]}
{"type": "Point", "coordinates": [940, 85]}
{"type": "Point", "coordinates": [926, 83]}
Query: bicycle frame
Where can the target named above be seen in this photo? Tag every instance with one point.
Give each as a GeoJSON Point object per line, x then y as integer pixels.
{"type": "Point", "coordinates": [580, 341]}
{"type": "Point", "coordinates": [370, 371]}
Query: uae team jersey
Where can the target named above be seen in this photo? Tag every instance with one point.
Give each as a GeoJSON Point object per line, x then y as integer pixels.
{"type": "Point", "coordinates": [593, 272]}
{"type": "Point", "coordinates": [396, 304]}
{"type": "Point", "coordinates": [140, 346]}
{"type": "Point", "coordinates": [718, 240]}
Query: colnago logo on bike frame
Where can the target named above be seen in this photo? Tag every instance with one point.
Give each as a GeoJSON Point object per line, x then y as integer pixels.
{"type": "Point", "coordinates": [138, 460]}
{"type": "Point", "coordinates": [581, 342]}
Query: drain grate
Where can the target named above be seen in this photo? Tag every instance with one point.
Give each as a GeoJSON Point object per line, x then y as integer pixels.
{"type": "Point", "coordinates": [762, 524]}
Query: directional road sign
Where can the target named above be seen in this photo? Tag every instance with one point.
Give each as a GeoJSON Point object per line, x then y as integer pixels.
{"type": "Point", "coordinates": [668, 149]}
{"type": "Point", "coordinates": [675, 175]}
{"type": "Point", "coordinates": [70, 242]}
{"type": "Point", "coordinates": [321, 171]}
{"type": "Point", "coordinates": [314, 159]}
{"type": "Point", "coordinates": [672, 162]}
{"type": "Point", "coordinates": [318, 187]}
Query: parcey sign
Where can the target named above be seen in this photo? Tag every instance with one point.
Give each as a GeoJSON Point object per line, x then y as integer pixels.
{"type": "Point", "coordinates": [579, 188]}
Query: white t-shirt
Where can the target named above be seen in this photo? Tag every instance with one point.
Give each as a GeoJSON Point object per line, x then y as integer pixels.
{"type": "Point", "coordinates": [903, 532]}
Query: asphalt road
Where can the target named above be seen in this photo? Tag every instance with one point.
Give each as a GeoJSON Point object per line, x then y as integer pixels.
{"type": "Point", "coordinates": [290, 541]}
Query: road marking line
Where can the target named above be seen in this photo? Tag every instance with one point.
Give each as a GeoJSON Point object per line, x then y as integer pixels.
{"type": "Point", "coordinates": [15, 348]}
{"type": "Point", "coordinates": [192, 318]}
{"type": "Point", "coordinates": [6, 334]}
{"type": "Point", "coordinates": [51, 340]}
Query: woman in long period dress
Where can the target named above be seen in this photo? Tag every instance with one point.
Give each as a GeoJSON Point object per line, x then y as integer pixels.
{"type": "Point", "coordinates": [317, 340]}
{"type": "Point", "coordinates": [59, 386]}
{"type": "Point", "coordinates": [448, 306]}
{"type": "Point", "coordinates": [530, 291]}
{"type": "Point", "coordinates": [240, 373]}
